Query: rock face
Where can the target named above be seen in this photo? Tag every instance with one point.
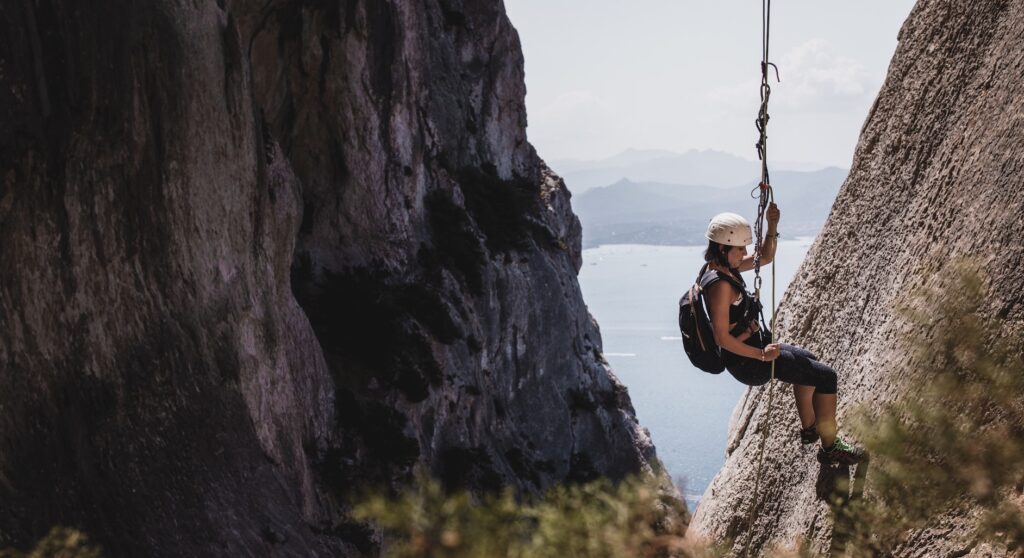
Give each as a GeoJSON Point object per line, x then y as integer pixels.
{"type": "Point", "coordinates": [936, 174]}
{"type": "Point", "coordinates": [255, 254]}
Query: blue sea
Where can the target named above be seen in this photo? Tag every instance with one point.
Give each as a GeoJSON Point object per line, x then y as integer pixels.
{"type": "Point", "coordinates": [633, 292]}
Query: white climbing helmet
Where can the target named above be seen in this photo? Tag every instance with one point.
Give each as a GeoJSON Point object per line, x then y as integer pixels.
{"type": "Point", "coordinates": [729, 229]}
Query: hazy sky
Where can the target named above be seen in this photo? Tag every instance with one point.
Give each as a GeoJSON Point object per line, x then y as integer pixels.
{"type": "Point", "coordinates": [606, 75]}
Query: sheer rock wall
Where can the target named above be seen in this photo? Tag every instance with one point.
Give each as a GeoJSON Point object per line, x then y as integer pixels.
{"type": "Point", "coordinates": [936, 175]}
{"type": "Point", "coordinates": [255, 254]}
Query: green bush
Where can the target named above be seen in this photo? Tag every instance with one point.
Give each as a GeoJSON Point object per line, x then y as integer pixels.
{"type": "Point", "coordinates": [60, 542]}
{"type": "Point", "coordinates": [601, 519]}
{"type": "Point", "coordinates": [955, 441]}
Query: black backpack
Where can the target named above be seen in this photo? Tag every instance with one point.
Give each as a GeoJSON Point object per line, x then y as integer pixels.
{"type": "Point", "coordinates": [695, 326]}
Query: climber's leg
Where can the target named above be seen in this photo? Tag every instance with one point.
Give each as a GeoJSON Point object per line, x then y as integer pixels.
{"type": "Point", "coordinates": [799, 367]}
{"type": "Point", "coordinates": [804, 404]}
{"type": "Point", "coordinates": [814, 386]}
{"type": "Point", "coordinates": [825, 413]}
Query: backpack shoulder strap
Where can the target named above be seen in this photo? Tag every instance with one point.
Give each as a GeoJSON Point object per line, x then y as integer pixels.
{"type": "Point", "coordinates": [709, 276]}
{"type": "Point", "coordinates": [732, 281]}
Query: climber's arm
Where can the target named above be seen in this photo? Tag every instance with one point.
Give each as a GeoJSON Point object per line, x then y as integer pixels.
{"type": "Point", "coordinates": [770, 240]}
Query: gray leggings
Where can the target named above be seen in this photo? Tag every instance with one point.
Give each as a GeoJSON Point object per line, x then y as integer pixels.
{"type": "Point", "coordinates": [795, 365]}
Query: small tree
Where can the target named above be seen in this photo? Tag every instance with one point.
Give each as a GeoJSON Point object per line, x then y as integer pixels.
{"type": "Point", "coordinates": [955, 440]}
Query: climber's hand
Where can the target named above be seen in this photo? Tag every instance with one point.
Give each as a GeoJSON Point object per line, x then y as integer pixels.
{"type": "Point", "coordinates": [771, 352]}
{"type": "Point", "coordinates": [773, 214]}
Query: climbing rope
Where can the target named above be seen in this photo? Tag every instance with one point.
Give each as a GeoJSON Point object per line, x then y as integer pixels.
{"type": "Point", "coordinates": [765, 196]}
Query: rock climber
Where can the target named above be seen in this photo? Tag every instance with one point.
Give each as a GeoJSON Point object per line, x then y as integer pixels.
{"type": "Point", "coordinates": [748, 355]}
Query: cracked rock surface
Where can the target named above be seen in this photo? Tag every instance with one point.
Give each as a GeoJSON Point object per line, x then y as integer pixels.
{"type": "Point", "coordinates": [936, 175]}
{"type": "Point", "coordinates": [255, 255]}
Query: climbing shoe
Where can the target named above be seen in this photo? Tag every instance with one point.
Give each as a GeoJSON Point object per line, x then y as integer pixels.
{"type": "Point", "coordinates": [840, 453]}
{"type": "Point", "coordinates": [808, 435]}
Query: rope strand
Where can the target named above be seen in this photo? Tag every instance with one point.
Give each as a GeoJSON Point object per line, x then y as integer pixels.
{"type": "Point", "coordinates": [765, 196]}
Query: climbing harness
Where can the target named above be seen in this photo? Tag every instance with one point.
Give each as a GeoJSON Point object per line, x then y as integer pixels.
{"type": "Point", "coordinates": [765, 196]}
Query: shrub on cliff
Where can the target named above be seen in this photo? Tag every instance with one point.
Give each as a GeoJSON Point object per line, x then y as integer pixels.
{"type": "Point", "coordinates": [954, 443]}
{"type": "Point", "coordinates": [60, 542]}
{"type": "Point", "coordinates": [596, 520]}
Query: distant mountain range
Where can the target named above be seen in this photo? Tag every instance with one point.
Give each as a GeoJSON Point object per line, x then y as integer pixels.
{"type": "Point", "coordinates": [706, 167]}
{"type": "Point", "coordinates": [639, 212]}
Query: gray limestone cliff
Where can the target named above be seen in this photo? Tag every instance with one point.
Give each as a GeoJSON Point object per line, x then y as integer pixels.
{"type": "Point", "coordinates": [255, 256]}
{"type": "Point", "coordinates": [937, 174]}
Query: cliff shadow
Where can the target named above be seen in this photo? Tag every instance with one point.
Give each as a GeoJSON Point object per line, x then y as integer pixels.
{"type": "Point", "coordinates": [841, 489]}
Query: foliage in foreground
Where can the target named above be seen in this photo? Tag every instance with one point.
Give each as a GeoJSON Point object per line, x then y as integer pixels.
{"type": "Point", "coordinates": [596, 520]}
{"type": "Point", "coordinates": [955, 441]}
{"type": "Point", "coordinates": [60, 542]}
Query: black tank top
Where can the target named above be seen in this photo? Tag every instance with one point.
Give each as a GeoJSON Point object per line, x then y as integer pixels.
{"type": "Point", "coordinates": [742, 314]}
{"type": "Point", "coordinates": [737, 311]}
{"type": "Point", "coordinates": [737, 306]}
